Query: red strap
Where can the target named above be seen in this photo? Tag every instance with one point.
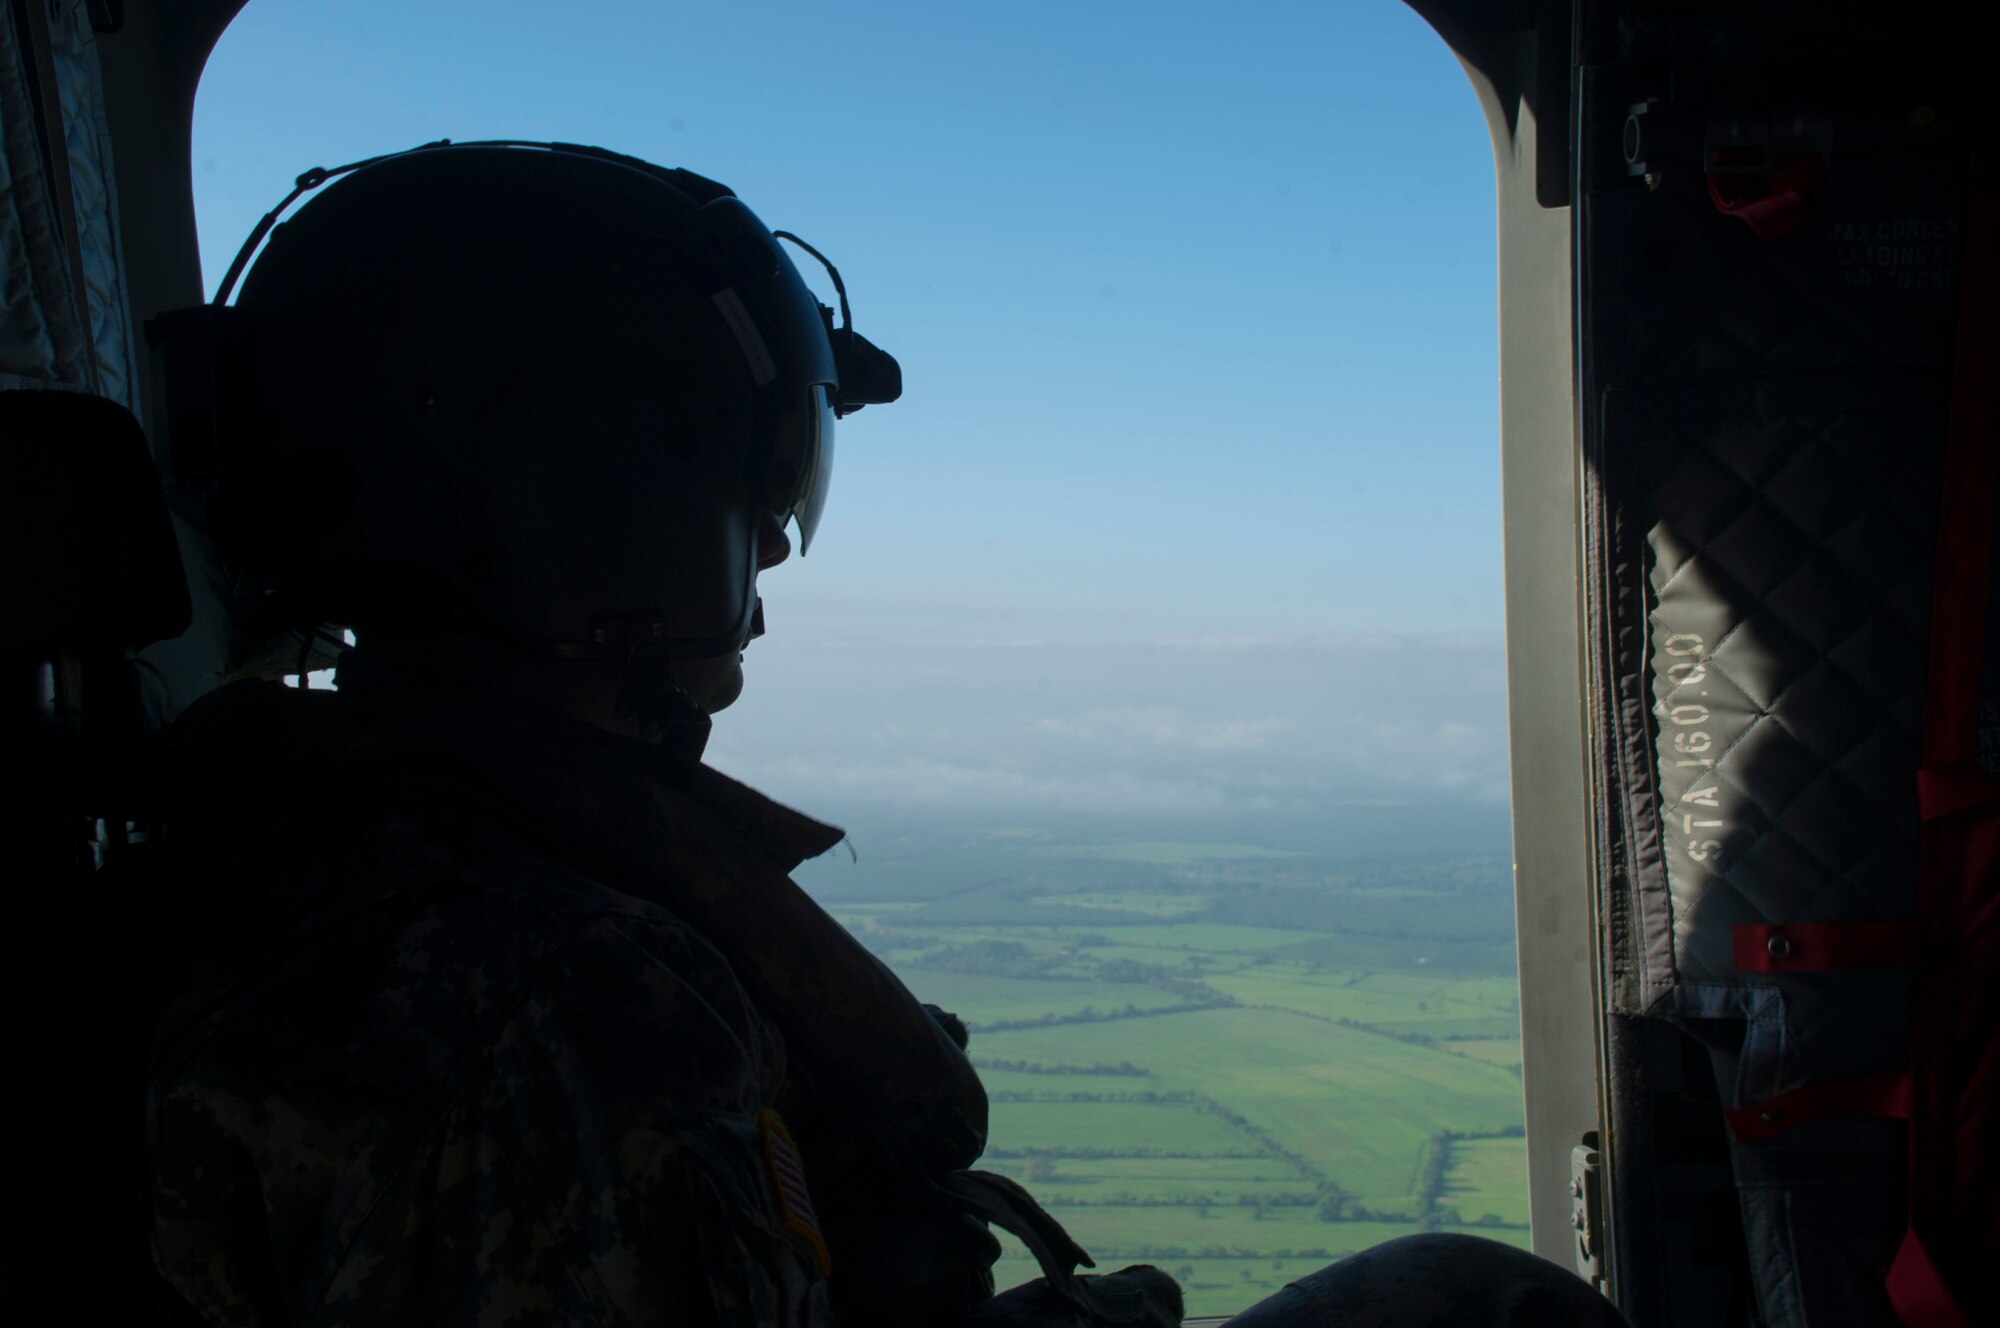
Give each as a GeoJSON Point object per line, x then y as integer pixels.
{"type": "Point", "coordinates": [1949, 789]}
{"type": "Point", "coordinates": [1857, 1095]}
{"type": "Point", "coordinates": [1953, 1223]}
{"type": "Point", "coordinates": [1965, 516]}
{"type": "Point", "coordinates": [1823, 947]}
{"type": "Point", "coordinates": [1918, 1292]}
{"type": "Point", "coordinates": [1773, 204]}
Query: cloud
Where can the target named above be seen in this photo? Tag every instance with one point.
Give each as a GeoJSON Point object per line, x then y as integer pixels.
{"type": "Point", "coordinates": [1167, 726]}
{"type": "Point", "coordinates": [924, 782]}
{"type": "Point", "coordinates": [1190, 727]}
{"type": "Point", "coordinates": [1449, 757]}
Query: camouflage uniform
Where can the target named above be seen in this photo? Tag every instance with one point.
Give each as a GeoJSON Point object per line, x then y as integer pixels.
{"type": "Point", "coordinates": [471, 1016]}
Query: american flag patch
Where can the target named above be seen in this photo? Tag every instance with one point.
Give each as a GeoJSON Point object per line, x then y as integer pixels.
{"type": "Point", "coordinates": [788, 1187]}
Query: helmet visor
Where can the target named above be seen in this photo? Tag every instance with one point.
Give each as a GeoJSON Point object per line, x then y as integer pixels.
{"type": "Point", "coordinates": [814, 476]}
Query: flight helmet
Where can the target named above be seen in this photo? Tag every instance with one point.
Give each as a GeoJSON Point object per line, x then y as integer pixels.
{"type": "Point", "coordinates": [537, 396]}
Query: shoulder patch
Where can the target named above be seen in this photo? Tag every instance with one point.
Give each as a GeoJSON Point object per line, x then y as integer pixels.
{"type": "Point", "coordinates": [788, 1187]}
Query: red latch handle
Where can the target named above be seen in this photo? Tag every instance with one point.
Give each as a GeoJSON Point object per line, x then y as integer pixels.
{"type": "Point", "coordinates": [1823, 947]}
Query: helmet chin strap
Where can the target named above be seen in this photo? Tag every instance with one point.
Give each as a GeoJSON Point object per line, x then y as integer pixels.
{"type": "Point", "coordinates": [646, 635]}
{"type": "Point", "coordinates": [662, 711]}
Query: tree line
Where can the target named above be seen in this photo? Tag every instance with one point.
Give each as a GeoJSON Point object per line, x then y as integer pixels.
{"type": "Point", "coordinates": [1434, 1173]}
{"type": "Point", "coordinates": [1123, 1068]}
{"type": "Point", "coordinates": [1092, 1015]}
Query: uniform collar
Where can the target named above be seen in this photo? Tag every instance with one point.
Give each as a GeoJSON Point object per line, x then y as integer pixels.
{"type": "Point", "coordinates": [514, 742]}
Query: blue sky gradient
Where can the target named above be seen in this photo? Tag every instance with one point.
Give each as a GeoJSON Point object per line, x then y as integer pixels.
{"type": "Point", "coordinates": [1196, 308]}
{"type": "Point", "coordinates": [1195, 302]}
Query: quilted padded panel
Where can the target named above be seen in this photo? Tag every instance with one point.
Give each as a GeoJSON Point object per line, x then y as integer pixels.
{"type": "Point", "coordinates": [1791, 540]}
{"type": "Point", "coordinates": [88, 137]}
{"type": "Point", "coordinates": [41, 340]}
{"type": "Point", "coordinates": [44, 340]}
{"type": "Point", "coordinates": [1750, 398]}
{"type": "Point", "coordinates": [1762, 433]}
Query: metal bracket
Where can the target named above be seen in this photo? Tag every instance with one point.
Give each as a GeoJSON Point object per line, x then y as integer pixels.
{"type": "Point", "coordinates": [1586, 1194]}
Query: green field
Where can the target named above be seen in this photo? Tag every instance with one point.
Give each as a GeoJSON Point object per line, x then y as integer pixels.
{"type": "Point", "coordinates": [1235, 1063]}
{"type": "Point", "coordinates": [1487, 1177]}
{"type": "Point", "coordinates": [1359, 1105]}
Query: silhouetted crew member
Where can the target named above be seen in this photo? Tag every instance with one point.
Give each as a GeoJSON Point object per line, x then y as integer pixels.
{"type": "Point", "coordinates": [480, 999]}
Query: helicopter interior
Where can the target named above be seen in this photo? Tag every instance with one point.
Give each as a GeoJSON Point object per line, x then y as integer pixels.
{"type": "Point", "coordinates": [1749, 272]}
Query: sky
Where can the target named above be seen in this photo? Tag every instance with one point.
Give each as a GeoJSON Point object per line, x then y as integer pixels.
{"type": "Point", "coordinates": [1196, 310]}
